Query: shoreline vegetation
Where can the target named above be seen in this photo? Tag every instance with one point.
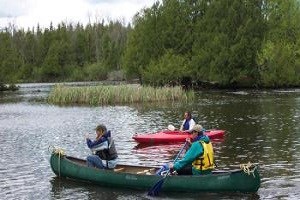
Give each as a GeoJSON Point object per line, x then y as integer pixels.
{"type": "Point", "coordinates": [116, 94]}
{"type": "Point", "coordinates": [207, 44]}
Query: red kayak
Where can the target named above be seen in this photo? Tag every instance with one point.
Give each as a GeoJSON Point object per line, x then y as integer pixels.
{"type": "Point", "coordinates": [167, 136]}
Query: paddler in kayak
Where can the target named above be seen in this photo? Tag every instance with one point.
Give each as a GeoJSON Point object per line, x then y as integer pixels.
{"type": "Point", "coordinates": [188, 122]}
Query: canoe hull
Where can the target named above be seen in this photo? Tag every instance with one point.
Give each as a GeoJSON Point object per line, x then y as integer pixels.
{"type": "Point", "coordinates": [167, 136]}
{"type": "Point", "coordinates": [237, 181]}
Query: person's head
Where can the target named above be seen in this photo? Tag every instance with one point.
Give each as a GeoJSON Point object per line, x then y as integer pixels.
{"type": "Point", "coordinates": [187, 115]}
{"type": "Point", "coordinates": [100, 130]}
{"type": "Point", "coordinates": [197, 130]}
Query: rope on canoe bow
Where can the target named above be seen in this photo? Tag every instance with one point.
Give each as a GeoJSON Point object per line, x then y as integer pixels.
{"type": "Point", "coordinates": [60, 152]}
{"type": "Point", "coordinates": [248, 168]}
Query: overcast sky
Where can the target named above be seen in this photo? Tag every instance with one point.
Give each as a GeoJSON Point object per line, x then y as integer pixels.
{"type": "Point", "coordinates": [28, 13]}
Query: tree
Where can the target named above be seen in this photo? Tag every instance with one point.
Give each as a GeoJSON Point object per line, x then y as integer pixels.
{"type": "Point", "coordinates": [10, 61]}
{"type": "Point", "coordinates": [279, 59]}
{"type": "Point", "coordinates": [143, 44]}
{"type": "Point", "coordinates": [230, 36]}
{"type": "Point", "coordinates": [168, 70]}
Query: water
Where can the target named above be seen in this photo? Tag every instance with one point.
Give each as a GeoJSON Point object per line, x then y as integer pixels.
{"type": "Point", "coordinates": [261, 127]}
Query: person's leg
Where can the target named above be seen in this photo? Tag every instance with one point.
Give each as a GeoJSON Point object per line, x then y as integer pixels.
{"type": "Point", "coordinates": [185, 171]}
{"type": "Point", "coordinates": [94, 161]}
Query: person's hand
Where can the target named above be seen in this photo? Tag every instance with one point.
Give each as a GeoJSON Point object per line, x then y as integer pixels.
{"type": "Point", "coordinates": [86, 136]}
{"type": "Point", "coordinates": [171, 167]}
{"type": "Point", "coordinates": [188, 140]}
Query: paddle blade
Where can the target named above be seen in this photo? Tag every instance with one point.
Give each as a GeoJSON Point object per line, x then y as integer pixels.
{"type": "Point", "coordinates": [171, 127]}
{"type": "Point", "coordinates": [154, 191]}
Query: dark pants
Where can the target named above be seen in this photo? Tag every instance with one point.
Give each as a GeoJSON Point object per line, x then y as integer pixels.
{"type": "Point", "coordinates": [187, 170]}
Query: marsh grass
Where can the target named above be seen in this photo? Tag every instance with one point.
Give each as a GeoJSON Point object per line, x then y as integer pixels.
{"type": "Point", "coordinates": [115, 94]}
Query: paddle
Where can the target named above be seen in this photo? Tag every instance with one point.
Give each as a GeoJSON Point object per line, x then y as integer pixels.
{"type": "Point", "coordinates": [157, 187]}
{"type": "Point", "coordinates": [171, 127]}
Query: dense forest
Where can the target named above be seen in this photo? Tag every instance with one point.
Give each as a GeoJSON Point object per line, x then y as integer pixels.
{"type": "Point", "coordinates": [229, 43]}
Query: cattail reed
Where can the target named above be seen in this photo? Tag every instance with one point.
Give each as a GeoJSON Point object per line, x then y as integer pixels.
{"type": "Point", "coordinates": [115, 94]}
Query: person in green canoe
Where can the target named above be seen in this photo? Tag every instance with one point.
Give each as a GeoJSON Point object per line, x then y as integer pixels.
{"type": "Point", "coordinates": [198, 160]}
{"type": "Point", "coordinates": [103, 149]}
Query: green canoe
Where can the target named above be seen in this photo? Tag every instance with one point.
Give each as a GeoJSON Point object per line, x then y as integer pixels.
{"type": "Point", "coordinates": [143, 178]}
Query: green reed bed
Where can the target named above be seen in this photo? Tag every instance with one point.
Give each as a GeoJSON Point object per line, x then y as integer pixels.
{"type": "Point", "coordinates": [115, 94]}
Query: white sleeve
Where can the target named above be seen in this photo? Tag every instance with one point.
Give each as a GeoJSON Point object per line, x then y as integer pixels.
{"type": "Point", "coordinates": [192, 124]}
{"type": "Point", "coordinates": [101, 146]}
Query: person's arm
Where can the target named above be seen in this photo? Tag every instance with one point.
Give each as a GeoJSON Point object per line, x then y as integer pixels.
{"type": "Point", "coordinates": [181, 127]}
{"type": "Point", "coordinates": [192, 124]}
{"type": "Point", "coordinates": [91, 144]}
{"type": "Point", "coordinates": [101, 146]}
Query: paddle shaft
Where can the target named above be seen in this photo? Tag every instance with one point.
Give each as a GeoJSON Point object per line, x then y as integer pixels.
{"type": "Point", "coordinates": [177, 156]}
{"type": "Point", "coordinates": [179, 153]}
{"type": "Point", "coordinates": [157, 187]}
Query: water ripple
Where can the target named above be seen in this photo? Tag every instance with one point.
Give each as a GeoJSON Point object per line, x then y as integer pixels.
{"type": "Point", "coordinates": [261, 127]}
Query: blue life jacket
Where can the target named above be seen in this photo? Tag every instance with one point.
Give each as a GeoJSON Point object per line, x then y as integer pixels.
{"type": "Point", "coordinates": [186, 125]}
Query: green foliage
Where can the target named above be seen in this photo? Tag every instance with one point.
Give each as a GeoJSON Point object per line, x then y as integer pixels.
{"type": "Point", "coordinates": [62, 53]}
{"type": "Point", "coordinates": [168, 70]}
{"type": "Point", "coordinates": [144, 44]}
{"type": "Point", "coordinates": [279, 59]}
{"type": "Point", "coordinates": [247, 43]}
{"type": "Point", "coordinates": [96, 71]}
{"type": "Point", "coordinates": [230, 34]}
{"type": "Point", "coordinates": [220, 40]}
{"type": "Point", "coordinates": [90, 72]}
{"type": "Point", "coordinates": [280, 65]}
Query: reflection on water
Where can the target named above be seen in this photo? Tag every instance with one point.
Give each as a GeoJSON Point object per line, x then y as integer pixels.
{"type": "Point", "coordinates": [62, 188]}
{"type": "Point", "coordinates": [261, 127]}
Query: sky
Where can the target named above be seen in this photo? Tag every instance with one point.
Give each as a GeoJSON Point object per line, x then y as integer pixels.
{"type": "Point", "coordinates": [28, 13]}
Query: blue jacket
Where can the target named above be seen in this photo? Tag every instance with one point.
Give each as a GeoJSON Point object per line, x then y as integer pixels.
{"type": "Point", "coordinates": [92, 144]}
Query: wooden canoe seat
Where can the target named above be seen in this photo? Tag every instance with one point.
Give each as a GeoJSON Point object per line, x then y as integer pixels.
{"type": "Point", "coordinates": [119, 169]}
{"type": "Point", "coordinates": [147, 171]}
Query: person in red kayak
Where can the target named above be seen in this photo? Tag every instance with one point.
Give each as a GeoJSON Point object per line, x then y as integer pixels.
{"type": "Point", "coordinates": [188, 122]}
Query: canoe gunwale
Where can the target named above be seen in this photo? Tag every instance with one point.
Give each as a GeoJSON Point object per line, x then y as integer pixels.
{"type": "Point", "coordinates": [79, 161]}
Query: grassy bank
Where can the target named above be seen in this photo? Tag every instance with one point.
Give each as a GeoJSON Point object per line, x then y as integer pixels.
{"type": "Point", "coordinates": [115, 94]}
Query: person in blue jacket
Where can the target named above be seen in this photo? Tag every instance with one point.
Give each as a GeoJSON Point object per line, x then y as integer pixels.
{"type": "Point", "coordinates": [199, 159]}
{"type": "Point", "coordinates": [103, 148]}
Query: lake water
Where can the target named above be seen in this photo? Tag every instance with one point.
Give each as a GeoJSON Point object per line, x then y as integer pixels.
{"type": "Point", "coordinates": [261, 127]}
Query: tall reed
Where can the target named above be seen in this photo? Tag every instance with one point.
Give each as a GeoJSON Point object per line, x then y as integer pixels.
{"type": "Point", "coordinates": [115, 94]}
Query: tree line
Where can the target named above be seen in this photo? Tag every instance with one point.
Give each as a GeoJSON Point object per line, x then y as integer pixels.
{"type": "Point", "coordinates": [65, 53]}
{"type": "Point", "coordinates": [243, 43]}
